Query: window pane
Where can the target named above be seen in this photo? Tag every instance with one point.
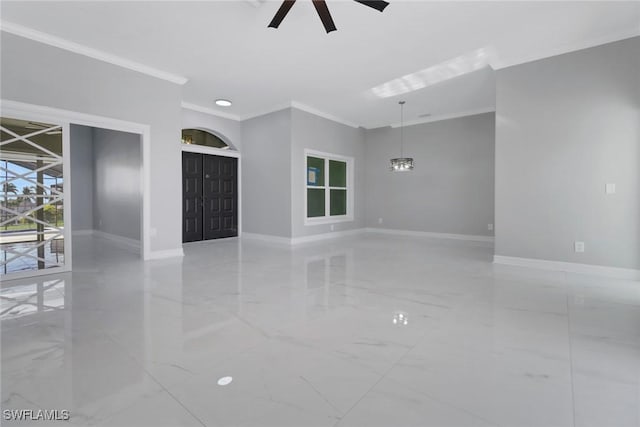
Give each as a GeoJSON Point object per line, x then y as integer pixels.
{"type": "Point", "coordinates": [200, 137]}
{"type": "Point", "coordinates": [315, 171]}
{"type": "Point", "coordinates": [338, 202]}
{"type": "Point", "coordinates": [337, 173]}
{"type": "Point", "coordinates": [315, 202]}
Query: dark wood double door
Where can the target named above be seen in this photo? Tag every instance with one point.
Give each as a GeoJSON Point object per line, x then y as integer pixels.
{"type": "Point", "coordinates": [209, 197]}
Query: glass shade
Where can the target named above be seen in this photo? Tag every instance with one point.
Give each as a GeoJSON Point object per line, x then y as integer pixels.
{"type": "Point", "coordinates": [402, 164]}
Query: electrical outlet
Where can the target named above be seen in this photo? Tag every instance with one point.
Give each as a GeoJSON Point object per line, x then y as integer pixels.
{"type": "Point", "coordinates": [490, 227]}
{"type": "Point", "coordinates": [610, 189]}
{"type": "Point", "coordinates": [578, 246]}
{"type": "Point", "coordinates": [331, 227]}
{"type": "Point", "coordinates": [379, 220]}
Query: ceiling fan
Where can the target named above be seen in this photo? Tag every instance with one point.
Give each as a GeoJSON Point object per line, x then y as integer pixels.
{"type": "Point", "coordinates": [323, 12]}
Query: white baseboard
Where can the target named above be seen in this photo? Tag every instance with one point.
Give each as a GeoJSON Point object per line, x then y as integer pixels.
{"type": "Point", "coordinates": [266, 238]}
{"type": "Point", "coordinates": [336, 234]}
{"type": "Point", "coordinates": [130, 244]}
{"type": "Point", "coordinates": [468, 237]}
{"type": "Point", "coordinates": [303, 239]}
{"type": "Point", "coordinates": [325, 236]}
{"type": "Point", "coordinates": [124, 241]}
{"type": "Point", "coordinates": [168, 253]}
{"type": "Point", "coordinates": [569, 267]}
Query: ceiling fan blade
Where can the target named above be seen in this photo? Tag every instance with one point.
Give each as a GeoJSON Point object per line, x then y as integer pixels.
{"type": "Point", "coordinates": [375, 4]}
{"type": "Point", "coordinates": [325, 15]}
{"type": "Point", "coordinates": [281, 13]}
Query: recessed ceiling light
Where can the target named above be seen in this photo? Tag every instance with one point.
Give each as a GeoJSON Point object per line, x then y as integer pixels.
{"type": "Point", "coordinates": [223, 103]}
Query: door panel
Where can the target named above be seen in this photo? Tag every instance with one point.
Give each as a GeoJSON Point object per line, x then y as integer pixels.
{"type": "Point", "coordinates": [191, 197]}
{"type": "Point", "coordinates": [221, 197]}
{"type": "Point", "coordinates": [210, 197]}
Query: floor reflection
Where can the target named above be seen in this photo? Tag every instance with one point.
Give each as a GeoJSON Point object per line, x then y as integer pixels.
{"type": "Point", "coordinates": [363, 329]}
{"type": "Point", "coordinates": [22, 252]}
{"type": "Point", "coordinates": [25, 299]}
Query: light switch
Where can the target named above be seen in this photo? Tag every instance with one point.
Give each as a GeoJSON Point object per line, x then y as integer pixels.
{"type": "Point", "coordinates": [610, 189]}
{"type": "Point", "coordinates": [578, 246]}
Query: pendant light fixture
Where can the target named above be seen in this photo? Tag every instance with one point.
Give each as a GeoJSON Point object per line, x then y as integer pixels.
{"type": "Point", "coordinates": [402, 164]}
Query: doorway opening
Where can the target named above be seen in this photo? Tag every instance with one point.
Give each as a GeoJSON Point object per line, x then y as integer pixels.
{"type": "Point", "coordinates": [44, 210]}
{"type": "Point", "coordinates": [106, 186]}
{"type": "Point", "coordinates": [209, 197]}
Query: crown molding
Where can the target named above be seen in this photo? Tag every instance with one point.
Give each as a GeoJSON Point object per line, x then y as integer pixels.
{"type": "Point", "coordinates": [210, 111]}
{"type": "Point", "coordinates": [51, 40]}
{"type": "Point", "coordinates": [272, 109]}
{"type": "Point", "coordinates": [308, 109]}
{"type": "Point", "coordinates": [569, 48]}
{"type": "Point", "coordinates": [311, 110]}
{"type": "Point", "coordinates": [302, 107]}
{"type": "Point", "coordinates": [441, 117]}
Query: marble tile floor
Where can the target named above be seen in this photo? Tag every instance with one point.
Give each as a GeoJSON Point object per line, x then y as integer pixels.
{"type": "Point", "coordinates": [370, 330]}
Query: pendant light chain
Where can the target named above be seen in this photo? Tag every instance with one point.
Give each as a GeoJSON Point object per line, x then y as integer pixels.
{"type": "Point", "coordinates": [401, 129]}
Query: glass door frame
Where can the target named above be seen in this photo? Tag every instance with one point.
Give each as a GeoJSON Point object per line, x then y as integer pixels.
{"type": "Point", "coordinates": [66, 192]}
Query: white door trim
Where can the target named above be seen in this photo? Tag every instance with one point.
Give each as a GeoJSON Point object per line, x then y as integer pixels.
{"type": "Point", "coordinates": [209, 150]}
{"type": "Point", "coordinates": [67, 117]}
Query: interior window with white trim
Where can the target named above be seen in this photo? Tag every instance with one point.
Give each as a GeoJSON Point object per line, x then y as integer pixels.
{"type": "Point", "coordinates": [328, 187]}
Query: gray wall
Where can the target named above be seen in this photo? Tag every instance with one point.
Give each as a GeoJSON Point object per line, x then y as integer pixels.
{"type": "Point", "coordinates": [117, 195]}
{"type": "Point", "coordinates": [81, 178]}
{"type": "Point", "coordinates": [309, 131]}
{"type": "Point", "coordinates": [565, 127]}
{"type": "Point", "coordinates": [43, 75]}
{"type": "Point", "coordinates": [266, 174]}
{"type": "Point", "coordinates": [451, 189]}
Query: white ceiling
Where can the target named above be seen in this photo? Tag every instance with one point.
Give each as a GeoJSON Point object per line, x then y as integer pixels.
{"type": "Point", "coordinates": [226, 50]}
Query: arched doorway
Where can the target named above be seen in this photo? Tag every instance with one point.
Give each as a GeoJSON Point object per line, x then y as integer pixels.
{"type": "Point", "coordinates": [210, 192]}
